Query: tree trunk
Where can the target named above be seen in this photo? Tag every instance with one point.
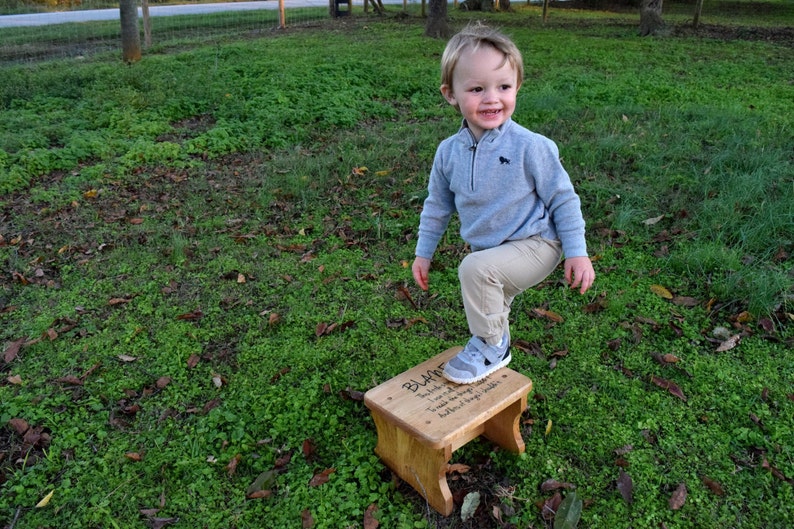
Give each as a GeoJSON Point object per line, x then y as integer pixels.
{"type": "Point", "coordinates": [437, 25]}
{"type": "Point", "coordinates": [504, 5]}
{"type": "Point", "coordinates": [651, 17]}
{"type": "Point", "coordinates": [130, 35]}
{"type": "Point", "coordinates": [698, 11]}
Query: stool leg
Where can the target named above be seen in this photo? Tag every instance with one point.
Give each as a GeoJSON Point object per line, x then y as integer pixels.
{"type": "Point", "coordinates": [424, 468]}
{"type": "Point", "coordinates": [503, 428]}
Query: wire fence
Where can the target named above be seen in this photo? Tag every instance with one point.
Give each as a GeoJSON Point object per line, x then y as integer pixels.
{"type": "Point", "coordinates": [80, 33]}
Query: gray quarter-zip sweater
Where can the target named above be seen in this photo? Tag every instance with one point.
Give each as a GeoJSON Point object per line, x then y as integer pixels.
{"type": "Point", "coordinates": [508, 186]}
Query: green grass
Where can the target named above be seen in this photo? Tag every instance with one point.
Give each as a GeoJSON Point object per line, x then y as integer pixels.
{"type": "Point", "coordinates": [201, 215]}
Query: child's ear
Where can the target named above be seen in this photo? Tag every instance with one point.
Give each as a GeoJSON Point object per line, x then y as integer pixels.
{"type": "Point", "coordinates": [446, 91]}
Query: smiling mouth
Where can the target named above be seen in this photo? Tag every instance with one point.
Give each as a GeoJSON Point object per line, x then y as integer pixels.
{"type": "Point", "coordinates": [491, 113]}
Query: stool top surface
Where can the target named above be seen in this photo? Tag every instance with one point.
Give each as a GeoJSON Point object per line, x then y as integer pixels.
{"type": "Point", "coordinates": [432, 408]}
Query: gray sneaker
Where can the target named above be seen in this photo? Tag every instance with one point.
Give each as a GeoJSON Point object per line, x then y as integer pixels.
{"type": "Point", "coordinates": [477, 360]}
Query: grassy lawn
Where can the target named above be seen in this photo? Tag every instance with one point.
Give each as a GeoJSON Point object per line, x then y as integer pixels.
{"type": "Point", "coordinates": [206, 262]}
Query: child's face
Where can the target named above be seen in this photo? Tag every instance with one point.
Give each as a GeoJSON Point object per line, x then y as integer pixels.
{"type": "Point", "coordinates": [483, 88]}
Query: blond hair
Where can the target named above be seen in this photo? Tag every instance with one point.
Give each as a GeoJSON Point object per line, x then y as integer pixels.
{"type": "Point", "coordinates": [472, 38]}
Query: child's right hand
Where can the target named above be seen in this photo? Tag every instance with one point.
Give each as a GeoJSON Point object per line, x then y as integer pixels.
{"type": "Point", "coordinates": [421, 270]}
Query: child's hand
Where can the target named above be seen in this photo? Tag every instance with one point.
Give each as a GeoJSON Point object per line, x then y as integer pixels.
{"type": "Point", "coordinates": [578, 273]}
{"type": "Point", "coordinates": [421, 269]}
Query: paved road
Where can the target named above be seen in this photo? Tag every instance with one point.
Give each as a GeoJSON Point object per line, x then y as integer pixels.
{"type": "Point", "coordinates": [41, 19]}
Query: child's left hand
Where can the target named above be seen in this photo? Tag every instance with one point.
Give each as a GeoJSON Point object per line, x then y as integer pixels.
{"type": "Point", "coordinates": [579, 273]}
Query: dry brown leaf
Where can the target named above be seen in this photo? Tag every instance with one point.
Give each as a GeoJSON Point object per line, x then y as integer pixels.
{"type": "Point", "coordinates": [133, 456]}
{"type": "Point", "coordinates": [136, 220]}
{"type": "Point", "coordinates": [231, 467]}
{"type": "Point", "coordinates": [625, 486]}
{"type": "Point", "coordinates": [678, 498]}
{"type": "Point", "coordinates": [259, 494]}
{"type": "Point", "coordinates": [321, 478]}
{"type": "Point", "coordinates": [370, 522]}
{"type": "Point", "coordinates": [307, 521]}
{"type": "Point", "coordinates": [714, 486]}
{"type": "Point", "coordinates": [162, 382]}
{"type": "Point", "coordinates": [71, 380]}
{"type": "Point", "coordinates": [685, 301]}
{"type": "Point", "coordinates": [670, 386]}
{"type": "Point", "coordinates": [552, 484]}
{"type": "Point", "coordinates": [730, 343]}
{"type": "Point", "coordinates": [12, 351]}
{"type": "Point", "coordinates": [195, 315]}
{"type": "Point", "coordinates": [548, 314]}
{"type": "Point", "coordinates": [549, 507]}
{"type": "Point", "coordinates": [193, 360]}
{"type": "Point", "coordinates": [118, 301]}
{"type": "Point", "coordinates": [20, 426]}
{"type": "Point", "coordinates": [460, 468]}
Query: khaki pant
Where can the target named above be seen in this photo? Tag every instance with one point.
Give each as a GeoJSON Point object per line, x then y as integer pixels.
{"type": "Point", "coordinates": [490, 279]}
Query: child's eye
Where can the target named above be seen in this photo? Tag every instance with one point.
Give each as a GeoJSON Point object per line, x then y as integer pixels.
{"type": "Point", "coordinates": [476, 89]}
{"type": "Point", "coordinates": [506, 87]}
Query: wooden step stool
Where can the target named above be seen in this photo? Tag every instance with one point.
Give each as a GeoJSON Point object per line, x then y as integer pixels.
{"type": "Point", "coordinates": [422, 418]}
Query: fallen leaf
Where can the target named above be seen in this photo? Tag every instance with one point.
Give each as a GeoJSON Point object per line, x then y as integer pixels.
{"type": "Point", "coordinates": [70, 380]}
{"type": "Point", "coordinates": [133, 456]}
{"type": "Point", "coordinates": [308, 449]}
{"type": "Point", "coordinates": [321, 478]}
{"type": "Point", "coordinates": [568, 513]}
{"type": "Point", "coordinates": [45, 500]}
{"type": "Point", "coordinates": [766, 324]}
{"type": "Point", "coordinates": [652, 221]}
{"type": "Point", "coordinates": [195, 315]}
{"type": "Point", "coordinates": [730, 343]}
{"type": "Point", "coordinates": [352, 394]}
{"type": "Point", "coordinates": [15, 380]}
{"type": "Point", "coordinates": [670, 386]}
{"type": "Point", "coordinates": [193, 361]}
{"type": "Point", "coordinates": [12, 351]}
{"type": "Point", "coordinates": [625, 486]}
{"type": "Point", "coordinates": [776, 472]}
{"type": "Point", "coordinates": [260, 494]}
{"type": "Point", "coordinates": [162, 382]}
{"type": "Point", "coordinates": [126, 358]}
{"type": "Point", "coordinates": [548, 314]}
{"type": "Point", "coordinates": [273, 319]}
{"type": "Point", "coordinates": [159, 523]}
{"type": "Point", "coordinates": [460, 468]}
{"type": "Point", "coordinates": [231, 467]}
{"type": "Point", "coordinates": [549, 507]}
{"type": "Point", "coordinates": [136, 220]}
{"type": "Point", "coordinates": [264, 482]}
{"type": "Point", "coordinates": [118, 301]}
{"type": "Point", "coordinates": [685, 301]}
{"type": "Point", "coordinates": [370, 522]}
{"type": "Point", "coordinates": [661, 291]}
{"type": "Point", "coordinates": [20, 426]}
{"type": "Point", "coordinates": [548, 427]}
{"type": "Point", "coordinates": [470, 504]}
{"type": "Point", "coordinates": [552, 484]}
{"type": "Point", "coordinates": [678, 498]}
{"type": "Point", "coordinates": [714, 486]}
{"type": "Point", "coordinates": [307, 521]}
{"type": "Point", "coordinates": [624, 450]}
